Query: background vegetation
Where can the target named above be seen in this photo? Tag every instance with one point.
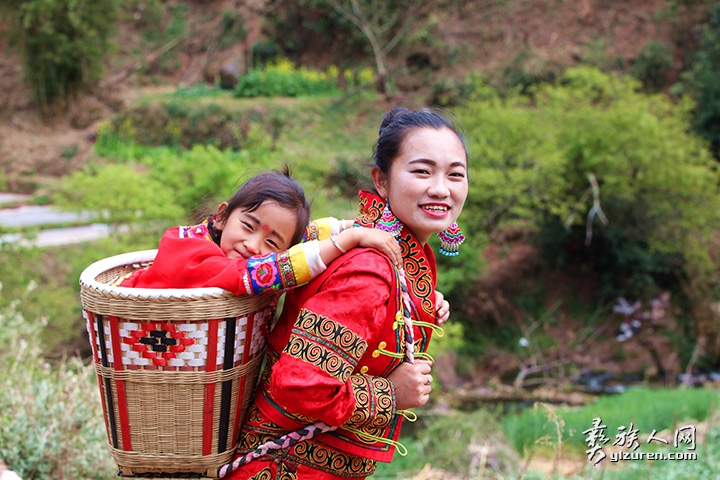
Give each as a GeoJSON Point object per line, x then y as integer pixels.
{"type": "Point", "coordinates": [607, 167]}
{"type": "Point", "coordinates": [64, 43]}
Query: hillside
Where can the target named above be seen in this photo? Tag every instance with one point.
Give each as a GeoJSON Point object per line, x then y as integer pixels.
{"type": "Point", "coordinates": [504, 40]}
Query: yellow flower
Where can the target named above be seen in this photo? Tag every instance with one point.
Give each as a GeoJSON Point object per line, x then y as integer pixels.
{"type": "Point", "coordinates": [366, 76]}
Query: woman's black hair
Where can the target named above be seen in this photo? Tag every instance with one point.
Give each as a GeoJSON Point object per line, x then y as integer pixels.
{"type": "Point", "coordinates": [277, 186]}
{"type": "Point", "coordinates": [396, 124]}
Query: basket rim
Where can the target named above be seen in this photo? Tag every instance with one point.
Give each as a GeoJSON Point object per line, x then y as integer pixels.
{"type": "Point", "coordinates": [87, 280]}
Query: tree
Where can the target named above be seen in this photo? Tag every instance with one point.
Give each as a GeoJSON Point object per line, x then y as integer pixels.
{"type": "Point", "coordinates": [594, 143]}
{"type": "Point", "coordinates": [63, 43]}
{"type": "Point", "coordinates": [383, 24]}
{"type": "Point", "coordinates": [703, 83]}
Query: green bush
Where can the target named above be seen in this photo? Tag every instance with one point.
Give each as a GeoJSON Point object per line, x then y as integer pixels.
{"type": "Point", "coordinates": [120, 194]}
{"type": "Point", "coordinates": [63, 43]}
{"type": "Point", "coordinates": [703, 85]}
{"type": "Point", "coordinates": [454, 92]}
{"type": "Point", "coordinates": [51, 417]}
{"type": "Point", "coordinates": [189, 180]}
{"type": "Point", "coordinates": [651, 65]}
{"type": "Point", "coordinates": [534, 160]}
{"type": "Point", "coordinates": [194, 116]}
{"type": "Point", "coordinates": [526, 70]}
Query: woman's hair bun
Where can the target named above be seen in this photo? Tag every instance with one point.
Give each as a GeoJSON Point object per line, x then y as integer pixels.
{"type": "Point", "coordinates": [391, 116]}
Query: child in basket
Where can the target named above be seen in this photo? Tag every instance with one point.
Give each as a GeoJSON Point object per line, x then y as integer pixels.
{"type": "Point", "coordinates": [258, 240]}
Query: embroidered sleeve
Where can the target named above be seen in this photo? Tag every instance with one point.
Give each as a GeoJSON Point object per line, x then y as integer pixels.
{"type": "Point", "coordinates": [335, 350]}
{"type": "Point", "coordinates": [374, 403]}
{"type": "Point", "coordinates": [329, 346]}
{"type": "Point", "coordinates": [287, 269]}
{"type": "Point", "coordinates": [322, 228]}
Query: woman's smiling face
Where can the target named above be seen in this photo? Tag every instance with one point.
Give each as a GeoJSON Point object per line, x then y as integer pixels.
{"type": "Point", "coordinates": [427, 184]}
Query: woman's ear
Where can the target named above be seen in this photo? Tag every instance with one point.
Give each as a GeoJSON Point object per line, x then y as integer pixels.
{"type": "Point", "coordinates": [220, 216]}
{"type": "Point", "coordinates": [379, 181]}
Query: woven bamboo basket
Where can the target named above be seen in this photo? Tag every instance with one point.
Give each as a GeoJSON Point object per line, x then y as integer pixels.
{"type": "Point", "coordinates": [176, 368]}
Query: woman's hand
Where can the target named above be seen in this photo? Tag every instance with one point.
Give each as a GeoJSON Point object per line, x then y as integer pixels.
{"type": "Point", "coordinates": [442, 308]}
{"type": "Point", "coordinates": [412, 384]}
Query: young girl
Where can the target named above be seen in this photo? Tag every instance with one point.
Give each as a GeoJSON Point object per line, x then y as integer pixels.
{"type": "Point", "coordinates": [245, 247]}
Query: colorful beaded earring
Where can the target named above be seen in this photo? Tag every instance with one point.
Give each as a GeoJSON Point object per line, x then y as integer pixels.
{"type": "Point", "coordinates": [450, 240]}
{"type": "Point", "coordinates": [388, 222]}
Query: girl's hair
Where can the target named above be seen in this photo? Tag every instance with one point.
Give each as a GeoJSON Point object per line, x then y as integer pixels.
{"type": "Point", "coordinates": [395, 126]}
{"type": "Point", "coordinates": [277, 186]}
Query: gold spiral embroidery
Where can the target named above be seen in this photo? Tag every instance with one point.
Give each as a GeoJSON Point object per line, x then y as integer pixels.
{"type": "Point", "coordinates": [326, 344]}
{"type": "Point", "coordinates": [264, 474]}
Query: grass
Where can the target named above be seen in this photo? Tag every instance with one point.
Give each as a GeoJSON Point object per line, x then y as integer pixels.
{"type": "Point", "coordinates": [478, 445]}
{"type": "Point", "coordinates": [640, 408]}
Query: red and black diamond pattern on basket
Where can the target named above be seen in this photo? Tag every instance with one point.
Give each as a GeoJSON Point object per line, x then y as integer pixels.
{"type": "Point", "coordinates": [158, 343]}
{"type": "Point", "coordinates": [181, 346]}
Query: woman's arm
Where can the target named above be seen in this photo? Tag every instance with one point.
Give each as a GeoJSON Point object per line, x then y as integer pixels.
{"type": "Point", "coordinates": [336, 237]}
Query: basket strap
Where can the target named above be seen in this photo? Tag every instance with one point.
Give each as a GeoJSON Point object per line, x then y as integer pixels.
{"type": "Point", "coordinates": [247, 351]}
{"type": "Point", "coordinates": [95, 324]}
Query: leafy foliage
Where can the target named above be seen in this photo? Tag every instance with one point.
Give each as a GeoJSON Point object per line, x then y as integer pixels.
{"type": "Point", "coordinates": [454, 92]}
{"type": "Point", "coordinates": [63, 43]}
{"type": "Point", "coordinates": [652, 64]}
{"type": "Point", "coordinates": [702, 80]}
{"type": "Point", "coordinates": [534, 159]}
{"type": "Point", "coordinates": [524, 71]}
{"type": "Point", "coordinates": [119, 194]}
{"type": "Point", "coordinates": [52, 421]}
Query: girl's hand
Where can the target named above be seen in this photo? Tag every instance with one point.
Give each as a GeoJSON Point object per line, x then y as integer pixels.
{"type": "Point", "coordinates": [371, 238]}
{"type": "Point", "coordinates": [442, 308]}
{"type": "Point", "coordinates": [412, 384]}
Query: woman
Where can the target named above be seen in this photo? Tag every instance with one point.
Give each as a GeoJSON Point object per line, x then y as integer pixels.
{"type": "Point", "coordinates": [336, 354]}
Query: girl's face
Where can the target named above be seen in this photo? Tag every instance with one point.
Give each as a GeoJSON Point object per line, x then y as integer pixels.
{"type": "Point", "coordinates": [427, 184]}
{"type": "Point", "coordinates": [267, 229]}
